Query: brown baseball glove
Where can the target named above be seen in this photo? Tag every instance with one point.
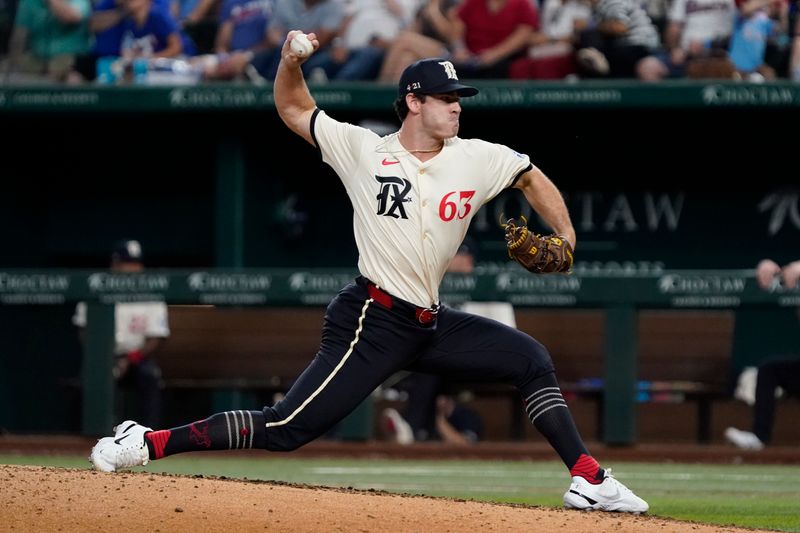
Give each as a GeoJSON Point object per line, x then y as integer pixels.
{"type": "Point", "coordinates": [539, 254]}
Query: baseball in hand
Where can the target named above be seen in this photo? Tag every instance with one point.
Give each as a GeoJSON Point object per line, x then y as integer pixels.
{"type": "Point", "coordinates": [301, 45]}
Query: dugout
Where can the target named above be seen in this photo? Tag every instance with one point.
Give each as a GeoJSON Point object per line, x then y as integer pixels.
{"type": "Point", "coordinates": [666, 176]}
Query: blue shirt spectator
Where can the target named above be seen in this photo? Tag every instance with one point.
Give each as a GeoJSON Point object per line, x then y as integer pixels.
{"type": "Point", "coordinates": [246, 20]}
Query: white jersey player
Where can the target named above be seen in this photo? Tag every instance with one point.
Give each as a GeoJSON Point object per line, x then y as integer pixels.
{"type": "Point", "coordinates": [134, 324]}
{"type": "Point", "coordinates": [140, 330]}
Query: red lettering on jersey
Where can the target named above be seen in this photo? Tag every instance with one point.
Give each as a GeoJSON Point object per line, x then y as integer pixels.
{"type": "Point", "coordinates": [449, 209]}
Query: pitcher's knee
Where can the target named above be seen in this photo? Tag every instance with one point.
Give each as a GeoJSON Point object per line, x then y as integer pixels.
{"type": "Point", "coordinates": [537, 361]}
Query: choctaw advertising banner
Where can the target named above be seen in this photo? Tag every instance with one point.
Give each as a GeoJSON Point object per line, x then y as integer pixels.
{"type": "Point", "coordinates": [282, 287]}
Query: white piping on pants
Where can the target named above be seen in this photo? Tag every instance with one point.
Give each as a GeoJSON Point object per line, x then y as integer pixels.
{"type": "Point", "coordinates": [331, 375]}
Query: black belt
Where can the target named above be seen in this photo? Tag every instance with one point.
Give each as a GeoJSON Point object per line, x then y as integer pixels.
{"type": "Point", "coordinates": [424, 315]}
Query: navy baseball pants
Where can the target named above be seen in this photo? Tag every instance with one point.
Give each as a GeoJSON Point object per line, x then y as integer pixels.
{"type": "Point", "coordinates": [368, 335]}
{"type": "Point", "coordinates": [781, 371]}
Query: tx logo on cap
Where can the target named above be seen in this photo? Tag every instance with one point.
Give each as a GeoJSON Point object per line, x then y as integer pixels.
{"type": "Point", "coordinates": [449, 70]}
{"type": "Point", "coordinates": [432, 76]}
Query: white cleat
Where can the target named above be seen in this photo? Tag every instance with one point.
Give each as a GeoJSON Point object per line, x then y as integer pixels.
{"type": "Point", "coordinates": [124, 450]}
{"type": "Point", "coordinates": [610, 495]}
{"type": "Point", "coordinates": [743, 439]}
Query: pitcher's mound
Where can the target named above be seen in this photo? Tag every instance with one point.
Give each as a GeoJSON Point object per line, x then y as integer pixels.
{"type": "Point", "coordinates": [72, 500]}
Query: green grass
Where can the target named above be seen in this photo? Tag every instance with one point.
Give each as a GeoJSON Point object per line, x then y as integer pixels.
{"type": "Point", "coordinates": [755, 496]}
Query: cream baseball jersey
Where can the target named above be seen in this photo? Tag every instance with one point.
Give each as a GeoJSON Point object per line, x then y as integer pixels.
{"type": "Point", "coordinates": [134, 323]}
{"type": "Point", "coordinates": [410, 216]}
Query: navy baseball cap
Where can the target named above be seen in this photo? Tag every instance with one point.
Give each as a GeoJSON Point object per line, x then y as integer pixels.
{"type": "Point", "coordinates": [127, 251]}
{"type": "Point", "coordinates": [432, 76]}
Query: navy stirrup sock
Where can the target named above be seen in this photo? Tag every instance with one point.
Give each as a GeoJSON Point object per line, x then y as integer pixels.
{"type": "Point", "coordinates": [550, 415]}
{"type": "Point", "coordinates": [223, 431]}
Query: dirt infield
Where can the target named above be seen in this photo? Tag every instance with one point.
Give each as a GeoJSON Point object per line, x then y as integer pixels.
{"type": "Point", "coordinates": [72, 500]}
{"type": "Point", "coordinates": [69, 500]}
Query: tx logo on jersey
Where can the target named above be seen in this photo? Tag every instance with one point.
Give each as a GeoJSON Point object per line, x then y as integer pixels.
{"type": "Point", "coordinates": [394, 192]}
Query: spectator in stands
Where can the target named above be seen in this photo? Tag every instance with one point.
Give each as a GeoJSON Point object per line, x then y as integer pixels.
{"type": "Point", "coordinates": [697, 38]}
{"type": "Point", "coordinates": [8, 12]}
{"type": "Point", "coordinates": [149, 31]}
{"type": "Point", "coordinates": [428, 35]}
{"type": "Point", "coordinates": [242, 30]}
{"type": "Point", "coordinates": [322, 17]}
{"type": "Point", "coordinates": [47, 36]}
{"type": "Point", "coordinates": [779, 45]}
{"type": "Point", "coordinates": [490, 35]}
{"type": "Point", "coordinates": [550, 52]}
{"type": "Point", "coordinates": [779, 371]}
{"type": "Point", "coordinates": [105, 24]}
{"type": "Point", "coordinates": [132, 29]}
{"type": "Point", "coordinates": [657, 11]}
{"type": "Point", "coordinates": [368, 30]}
{"type": "Point", "coordinates": [199, 20]}
{"type": "Point", "coordinates": [624, 43]}
{"type": "Point", "coordinates": [141, 329]}
{"type": "Point", "coordinates": [756, 23]}
{"type": "Point", "coordinates": [431, 413]}
{"type": "Point", "coordinates": [794, 57]}
{"type": "Point", "coordinates": [243, 25]}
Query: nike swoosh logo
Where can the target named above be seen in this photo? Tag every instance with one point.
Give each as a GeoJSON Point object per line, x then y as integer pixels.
{"type": "Point", "coordinates": [585, 497]}
{"type": "Point", "coordinates": [387, 163]}
{"type": "Point", "coordinates": [119, 440]}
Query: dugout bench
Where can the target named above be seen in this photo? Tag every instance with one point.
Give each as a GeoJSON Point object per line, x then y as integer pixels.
{"type": "Point", "coordinates": [241, 358]}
